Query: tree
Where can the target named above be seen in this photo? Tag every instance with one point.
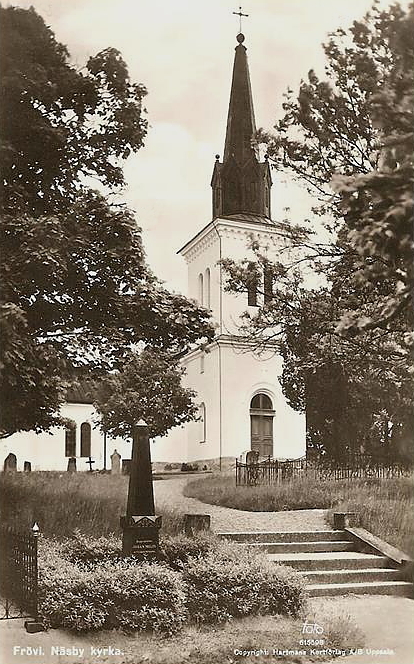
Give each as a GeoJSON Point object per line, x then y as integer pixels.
{"type": "Point", "coordinates": [147, 387]}
{"type": "Point", "coordinates": [77, 293]}
{"type": "Point", "coordinates": [348, 139]}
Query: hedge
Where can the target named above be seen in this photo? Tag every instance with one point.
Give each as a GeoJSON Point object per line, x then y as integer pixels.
{"type": "Point", "coordinates": [85, 584]}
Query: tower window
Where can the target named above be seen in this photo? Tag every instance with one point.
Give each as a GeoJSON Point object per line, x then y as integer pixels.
{"type": "Point", "coordinates": [217, 192]}
{"type": "Point", "coordinates": [200, 289]}
{"type": "Point", "coordinates": [253, 191]}
{"type": "Point", "coordinates": [268, 285]}
{"type": "Point", "coordinates": [207, 288]}
{"type": "Point", "coordinates": [85, 439]}
{"type": "Point", "coordinates": [70, 440]}
{"type": "Point", "coordinates": [252, 285]}
{"type": "Point", "coordinates": [202, 363]}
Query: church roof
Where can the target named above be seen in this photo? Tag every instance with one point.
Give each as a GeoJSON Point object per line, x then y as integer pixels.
{"type": "Point", "coordinates": [250, 217]}
{"type": "Point", "coordinates": [241, 183]}
{"type": "Point", "coordinates": [82, 392]}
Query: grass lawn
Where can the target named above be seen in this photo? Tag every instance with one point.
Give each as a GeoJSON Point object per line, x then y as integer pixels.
{"type": "Point", "coordinates": [200, 645]}
{"type": "Point", "coordinates": [218, 645]}
{"type": "Point", "coordinates": [385, 506]}
{"type": "Point", "coordinates": [64, 502]}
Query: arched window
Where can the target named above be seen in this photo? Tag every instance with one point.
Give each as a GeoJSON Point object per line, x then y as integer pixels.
{"type": "Point", "coordinates": [252, 285]}
{"type": "Point", "coordinates": [202, 422]}
{"type": "Point", "coordinates": [207, 288]}
{"type": "Point", "coordinates": [268, 285]}
{"type": "Point", "coordinates": [70, 439]}
{"type": "Point", "coordinates": [261, 402]}
{"type": "Point", "coordinates": [200, 289]}
{"type": "Point", "coordinates": [85, 439]}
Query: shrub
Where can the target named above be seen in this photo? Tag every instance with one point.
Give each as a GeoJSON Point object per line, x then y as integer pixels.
{"type": "Point", "coordinates": [176, 551]}
{"type": "Point", "coordinates": [189, 467]}
{"type": "Point", "coordinates": [123, 594]}
{"type": "Point", "coordinates": [168, 466]}
{"type": "Point", "coordinates": [230, 583]}
{"type": "Point", "coordinates": [89, 550]}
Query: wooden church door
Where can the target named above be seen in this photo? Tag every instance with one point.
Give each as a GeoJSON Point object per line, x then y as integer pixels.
{"type": "Point", "coordinates": [261, 424]}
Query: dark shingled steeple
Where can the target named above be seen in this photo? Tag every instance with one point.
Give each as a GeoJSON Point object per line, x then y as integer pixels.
{"type": "Point", "coordinates": [241, 184]}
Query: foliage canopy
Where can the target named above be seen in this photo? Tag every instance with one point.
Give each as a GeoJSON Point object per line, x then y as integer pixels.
{"type": "Point", "coordinates": [76, 291]}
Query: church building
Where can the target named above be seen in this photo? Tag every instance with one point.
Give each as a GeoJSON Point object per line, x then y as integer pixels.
{"type": "Point", "coordinates": [241, 405]}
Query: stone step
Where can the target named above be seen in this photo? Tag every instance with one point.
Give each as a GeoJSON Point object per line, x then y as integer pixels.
{"type": "Point", "coordinates": [351, 575]}
{"type": "Point", "coordinates": [330, 560]}
{"type": "Point", "coordinates": [287, 536]}
{"type": "Point", "coordinates": [401, 588]}
{"type": "Point", "coordinates": [300, 547]}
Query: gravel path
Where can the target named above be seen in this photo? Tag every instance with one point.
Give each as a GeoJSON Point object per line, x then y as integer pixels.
{"type": "Point", "coordinates": [225, 519]}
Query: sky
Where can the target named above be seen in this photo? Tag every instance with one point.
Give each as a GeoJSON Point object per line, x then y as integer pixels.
{"type": "Point", "coordinates": [182, 51]}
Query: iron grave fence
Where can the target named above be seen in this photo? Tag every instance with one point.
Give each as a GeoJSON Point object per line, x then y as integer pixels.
{"type": "Point", "coordinates": [271, 471]}
{"type": "Point", "coordinates": [18, 573]}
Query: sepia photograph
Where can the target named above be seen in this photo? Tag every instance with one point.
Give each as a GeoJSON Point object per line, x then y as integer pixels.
{"type": "Point", "coordinates": [206, 332]}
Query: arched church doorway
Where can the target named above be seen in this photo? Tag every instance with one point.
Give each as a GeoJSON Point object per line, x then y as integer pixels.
{"type": "Point", "coordinates": [261, 424]}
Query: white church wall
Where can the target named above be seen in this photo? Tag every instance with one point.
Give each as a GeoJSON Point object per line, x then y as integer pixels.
{"type": "Point", "coordinates": [206, 256]}
{"type": "Point", "coordinates": [203, 376]}
{"type": "Point", "coordinates": [46, 450]}
{"type": "Point", "coordinates": [171, 448]}
{"type": "Point", "coordinates": [196, 440]}
{"type": "Point", "coordinates": [245, 375]}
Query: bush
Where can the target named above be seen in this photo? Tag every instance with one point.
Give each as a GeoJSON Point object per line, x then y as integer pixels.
{"type": "Point", "coordinates": [83, 549]}
{"type": "Point", "coordinates": [176, 551]}
{"type": "Point", "coordinates": [123, 594]}
{"type": "Point", "coordinates": [207, 581]}
{"type": "Point", "coordinates": [189, 467]}
{"type": "Point", "coordinates": [230, 583]}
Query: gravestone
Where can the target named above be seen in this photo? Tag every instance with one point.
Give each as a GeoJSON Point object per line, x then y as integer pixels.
{"type": "Point", "coordinates": [140, 526]}
{"type": "Point", "coordinates": [10, 463]}
{"type": "Point", "coordinates": [126, 466]}
{"type": "Point", "coordinates": [115, 463]}
{"type": "Point", "coordinates": [27, 467]}
{"type": "Point", "coordinates": [252, 457]}
{"type": "Point", "coordinates": [90, 463]}
{"type": "Point", "coordinates": [72, 465]}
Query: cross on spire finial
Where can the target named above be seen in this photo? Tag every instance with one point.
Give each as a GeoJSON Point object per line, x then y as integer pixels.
{"type": "Point", "coordinates": [240, 14]}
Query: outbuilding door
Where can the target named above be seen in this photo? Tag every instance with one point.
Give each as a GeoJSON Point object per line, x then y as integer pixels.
{"type": "Point", "coordinates": [261, 424]}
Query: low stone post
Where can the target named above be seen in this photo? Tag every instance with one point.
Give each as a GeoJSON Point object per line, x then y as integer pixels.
{"type": "Point", "coordinates": [140, 526]}
{"type": "Point", "coordinates": [27, 467]}
{"type": "Point", "coordinates": [345, 520]}
{"type": "Point", "coordinates": [196, 523]}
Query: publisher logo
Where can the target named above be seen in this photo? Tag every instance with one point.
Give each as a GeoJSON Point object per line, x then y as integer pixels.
{"type": "Point", "coordinates": [311, 628]}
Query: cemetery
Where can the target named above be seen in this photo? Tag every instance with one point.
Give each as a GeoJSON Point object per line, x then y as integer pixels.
{"type": "Point", "coordinates": [214, 464]}
{"type": "Point", "coordinates": [142, 582]}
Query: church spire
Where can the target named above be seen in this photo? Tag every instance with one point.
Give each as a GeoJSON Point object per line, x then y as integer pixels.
{"type": "Point", "coordinates": [241, 184]}
{"type": "Point", "coordinates": [241, 124]}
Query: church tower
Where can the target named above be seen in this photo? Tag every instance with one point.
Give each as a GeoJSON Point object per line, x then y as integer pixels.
{"type": "Point", "coordinates": [241, 405]}
{"type": "Point", "coordinates": [240, 183]}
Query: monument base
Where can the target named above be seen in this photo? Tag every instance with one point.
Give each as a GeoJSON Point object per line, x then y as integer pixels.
{"type": "Point", "coordinates": [140, 535]}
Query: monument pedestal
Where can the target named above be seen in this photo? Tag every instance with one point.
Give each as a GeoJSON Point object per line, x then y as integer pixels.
{"type": "Point", "coordinates": [140, 535]}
